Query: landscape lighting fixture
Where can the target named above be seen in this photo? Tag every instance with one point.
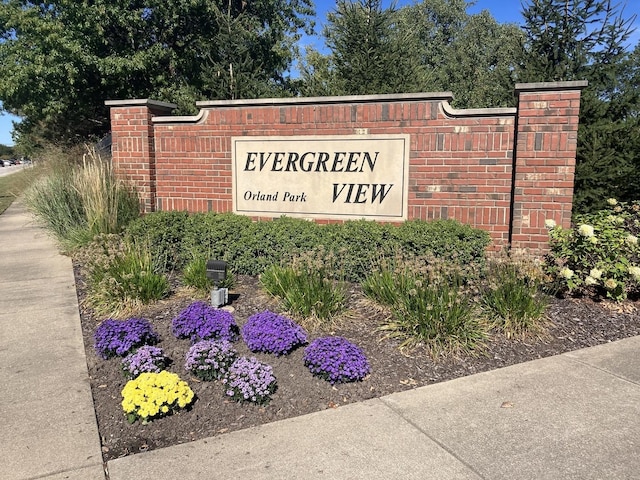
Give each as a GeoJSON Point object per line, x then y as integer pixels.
{"type": "Point", "coordinates": [217, 272]}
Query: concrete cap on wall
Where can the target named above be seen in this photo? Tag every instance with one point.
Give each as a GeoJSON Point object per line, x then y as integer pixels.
{"type": "Point", "coordinates": [545, 86]}
{"type": "Point", "coordinates": [142, 102]}
{"type": "Point", "coordinates": [392, 97]}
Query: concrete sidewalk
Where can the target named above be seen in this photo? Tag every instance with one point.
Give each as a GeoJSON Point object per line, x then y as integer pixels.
{"type": "Point", "coordinates": [573, 416]}
{"type": "Point", "coordinates": [49, 428]}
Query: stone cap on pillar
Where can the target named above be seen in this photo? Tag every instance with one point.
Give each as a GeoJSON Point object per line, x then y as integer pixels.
{"type": "Point", "coordinates": [547, 86]}
{"type": "Point", "coordinates": [164, 107]}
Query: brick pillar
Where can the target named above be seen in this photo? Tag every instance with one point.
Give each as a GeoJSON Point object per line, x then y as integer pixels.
{"type": "Point", "coordinates": [133, 146]}
{"type": "Point", "coordinates": [544, 160]}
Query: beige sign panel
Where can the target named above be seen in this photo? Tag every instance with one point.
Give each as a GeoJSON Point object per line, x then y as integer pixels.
{"type": "Point", "coordinates": [338, 177]}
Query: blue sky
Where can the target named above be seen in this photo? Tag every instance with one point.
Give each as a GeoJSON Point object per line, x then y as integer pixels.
{"type": "Point", "coordinates": [502, 10]}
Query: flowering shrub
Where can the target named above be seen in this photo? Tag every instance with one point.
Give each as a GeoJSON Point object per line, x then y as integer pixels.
{"type": "Point", "coordinates": [271, 333]}
{"type": "Point", "coordinates": [145, 359]}
{"type": "Point", "coordinates": [249, 380]}
{"type": "Point", "coordinates": [200, 321]}
{"type": "Point", "coordinates": [153, 395]}
{"type": "Point", "coordinates": [210, 359]}
{"type": "Point", "coordinates": [118, 338]}
{"type": "Point", "coordinates": [336, 359]}
{"type": "Point", "coordinates": [600, 255]}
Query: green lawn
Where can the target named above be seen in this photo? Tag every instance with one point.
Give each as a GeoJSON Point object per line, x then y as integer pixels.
{"type": "Point", "coordinates": [12, 186]}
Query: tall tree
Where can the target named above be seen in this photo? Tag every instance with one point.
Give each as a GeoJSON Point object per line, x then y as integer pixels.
{"type": "Point", "coordinates": [473, 56]}
{"type": "Point", "coordinates": [433, 45]}
{"type": "Point", "coordinates": [587, 40]}
{"type": "Point", "coordinates": [60, 59]}
{"type": "Point", "coordinates": [370, 53]}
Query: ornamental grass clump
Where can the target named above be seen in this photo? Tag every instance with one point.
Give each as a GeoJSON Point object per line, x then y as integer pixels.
{"type": "Point", "coordinates": [121, 275]}
{"type": "Point", "coordinates": [336, 360]}
{"type": "Point", "coordinates": [269, 332]}
{"type": "Point", "coordinates": [200, 321]}
{"type": "Point", "coordinates": [154, 395]}
{"type": "Point", "coordinates": [512, 298]}
{"type": "Point", "coordinates": [309, 288]}
{"type": "Point", "coordinates": [431, 305]}
{"type": "Point", "coordinates": [210, 359]}
{"type": "Point", "coordinates": [249, 380]}
{"type": "Point", "coordinates": [120, 337]}
{"type": "Point", "coordinates": [144, 360]}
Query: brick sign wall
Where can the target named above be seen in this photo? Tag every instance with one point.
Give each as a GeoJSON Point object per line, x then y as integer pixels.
{"type": "Point", "coordinates": [382, 157]}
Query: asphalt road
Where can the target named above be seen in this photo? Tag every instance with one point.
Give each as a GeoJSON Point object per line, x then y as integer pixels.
{"type": "Point", "coordinates": [12, 169]}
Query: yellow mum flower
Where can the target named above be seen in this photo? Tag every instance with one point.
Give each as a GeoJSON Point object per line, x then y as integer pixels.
{"type": "Point", "coordinates": [152, 394]}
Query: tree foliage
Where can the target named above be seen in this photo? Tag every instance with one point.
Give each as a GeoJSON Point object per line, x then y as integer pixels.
{"type": "Point", "coordinates": [370, 53]}
{"type": "Point", "coordinates": [473, 56]}
{"type": "Point", "coordinates": [6, 151]}
{"type": "Point", "coordinates": [587, 40]}
{"type": "Point", "coordinates": [59, 60]}
{"type": "Point", "coordinates": [433, 45]}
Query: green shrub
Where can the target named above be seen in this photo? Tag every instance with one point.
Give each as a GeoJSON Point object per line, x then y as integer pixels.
{"type": "Point", "coordinates": [512, 299]}
{"type": "Point", "coordinates": [446, 239]}
{"type": "Point", "coordinates": [600, 254]}
{"type": "Point", "coordinates": [359, 246]}
{"type": "Point", "coordinates": [164, 233]}
{"type": "Point", "coordinates": [216, 235]}
{"type": "Point", "coordinates": [250, 247]}
{"type": "Point", "coordinates": [275, 242]}
{"type": "Point", "coordinates": [121, 276]}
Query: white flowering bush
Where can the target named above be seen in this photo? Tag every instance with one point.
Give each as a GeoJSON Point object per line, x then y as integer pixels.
{"type": "Point", "coordinates": [600, 254]}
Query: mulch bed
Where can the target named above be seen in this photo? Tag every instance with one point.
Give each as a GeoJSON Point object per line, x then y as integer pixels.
{"type": "Point", "coordinates": [573, 324]}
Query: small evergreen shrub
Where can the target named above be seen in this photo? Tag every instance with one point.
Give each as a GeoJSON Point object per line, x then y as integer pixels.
{"type": "Point", "coordinates": [176, 238]}
{"type": "Point", "coordinates": [163, 232]}
{"type": "Point", "coordinates": [200, 321]}
{"type": "Point", "coordinates": [269, 332]}
{"type": "Point", "coordinates": [336, 360]}
{"type": "Point", "coordinates": [215, 235]}
{"type": "Point", "coordinates": [447, 240]}
{"type": "Point", "coordinates": [358, 246]}
{"type": "Point", "coordinates": [120, 337]}
{"type": "Point", "coordinates": [210, 359]}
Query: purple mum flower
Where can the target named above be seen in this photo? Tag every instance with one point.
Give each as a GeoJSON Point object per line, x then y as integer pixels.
{"type": "Point", "coordinates": [118, 338]}
{"type": "Point", "coordinates": [271, 333]}
{"type": "Point", "coordinates": [249, 380]}
{"type": "Point", "coordinates": [336, 359]}
{"type": "Point", "coordinates": [145, 359]}
{"type": "Point", "coordinates": [200, 321]}
{"type": "Point", "coordinates": [210, 359]}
